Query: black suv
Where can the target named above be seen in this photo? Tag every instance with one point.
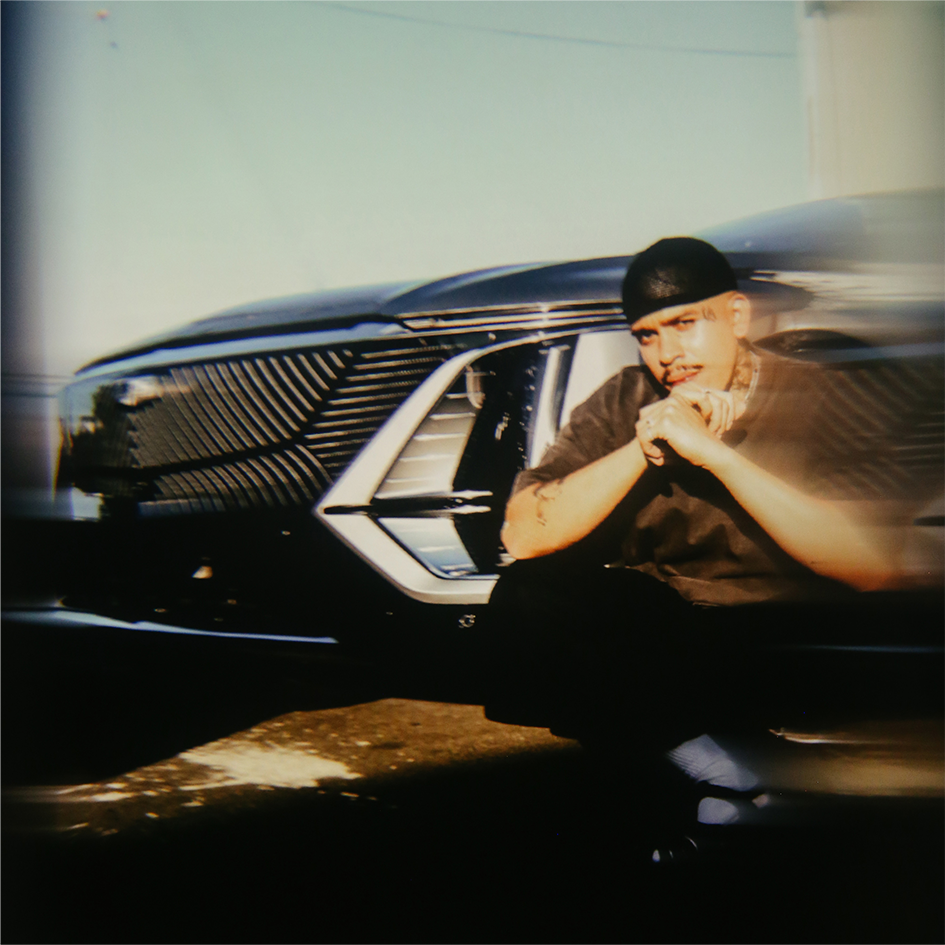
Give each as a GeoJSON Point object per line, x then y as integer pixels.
{"type": "Point", "coordinates": [327, 473]}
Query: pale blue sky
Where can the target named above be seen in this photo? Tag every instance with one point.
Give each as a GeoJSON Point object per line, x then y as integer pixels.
{"type": "Point", "coordinates": [187, 157]}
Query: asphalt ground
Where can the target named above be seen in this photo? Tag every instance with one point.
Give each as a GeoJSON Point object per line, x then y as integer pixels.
{"type": "Point", "coordinates": [169, 794]}
{"type": "Point", "coordinates": [399, 820]}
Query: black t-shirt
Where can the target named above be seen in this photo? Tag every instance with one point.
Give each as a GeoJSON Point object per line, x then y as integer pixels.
{"type": "Point", "coordinates": [679, 523]}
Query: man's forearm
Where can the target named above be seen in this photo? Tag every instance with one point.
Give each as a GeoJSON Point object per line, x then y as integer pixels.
{"type": "Point", "coordinates": [813, 531]}
{"type": "Point", "coordinates": [549, 516]}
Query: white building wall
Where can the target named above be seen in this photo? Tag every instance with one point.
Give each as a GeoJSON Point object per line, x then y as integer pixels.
{"type": "Point", "coordinates": [874, 76]}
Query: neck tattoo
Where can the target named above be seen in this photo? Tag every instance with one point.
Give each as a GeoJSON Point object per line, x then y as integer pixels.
{"type": "Point", "coordinates": [745, 376]}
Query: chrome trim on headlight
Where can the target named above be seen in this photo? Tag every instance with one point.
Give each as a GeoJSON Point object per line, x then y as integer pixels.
{"type": "Point", "coordinates": [427, 562]}
{"type": "Point", "coordinates": [344, 507]}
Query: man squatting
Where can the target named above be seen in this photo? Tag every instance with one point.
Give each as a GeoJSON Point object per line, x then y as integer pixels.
{"type": "Point", "coordinates": [712, 460]}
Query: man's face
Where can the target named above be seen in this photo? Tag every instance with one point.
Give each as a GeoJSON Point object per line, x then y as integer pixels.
{"type": "Point", "coordinates": [697, 342]}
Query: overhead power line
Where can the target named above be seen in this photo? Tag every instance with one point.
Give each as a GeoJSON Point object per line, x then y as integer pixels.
{"type": "Point", "coordinates": [549, 37]}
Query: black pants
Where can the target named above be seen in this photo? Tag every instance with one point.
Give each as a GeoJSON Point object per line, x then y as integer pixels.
{"type": "Point", "coordinates": [594, 653]}
{"type": "Point", "coordinates": [604, 653]}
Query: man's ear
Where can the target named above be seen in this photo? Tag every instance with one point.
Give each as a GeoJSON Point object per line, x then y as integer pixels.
{"type": "Point", "coordinates": [740, 308]}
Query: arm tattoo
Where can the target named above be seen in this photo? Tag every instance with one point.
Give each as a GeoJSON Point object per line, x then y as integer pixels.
{"type": "Point", "coordinates": [546, 492]}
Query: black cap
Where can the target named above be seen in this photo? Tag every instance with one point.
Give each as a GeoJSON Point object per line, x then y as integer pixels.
{"type": "Point", "coordinates": [675, 271]}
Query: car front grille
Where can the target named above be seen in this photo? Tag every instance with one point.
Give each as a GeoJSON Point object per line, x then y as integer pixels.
{"type": "Point", "coordinates": [211, 410]}
{"type": "Point", "coordinates": [250, 432]}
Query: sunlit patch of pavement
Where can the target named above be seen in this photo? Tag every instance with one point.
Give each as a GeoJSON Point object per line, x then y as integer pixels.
{"type": "Point", "coordinates": [353, 754]}
{"type": "Point", "coordinates": [261, 764]}
{"type": "Point", "coordinates": [326, 752]}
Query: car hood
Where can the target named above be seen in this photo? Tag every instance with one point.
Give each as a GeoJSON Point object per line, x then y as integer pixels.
{"type": "Point", "coordinates": [904, 227]}
{"type": "Point", "coordinates": [501, 287]}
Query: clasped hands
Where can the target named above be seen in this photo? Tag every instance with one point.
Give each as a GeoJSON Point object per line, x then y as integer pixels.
{"type": "Point", "coordinates": [690, 420]}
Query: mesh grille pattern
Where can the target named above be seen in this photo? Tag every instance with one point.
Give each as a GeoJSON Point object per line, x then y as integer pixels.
{"type": "Point", "coordinates": [284, 478]}
{"type": "Point", "coordinates": [377, 383]}
{"type": "Point", "coordinates": [267, 431]}
{"type": "Point", "coordinates": [210, 410]}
